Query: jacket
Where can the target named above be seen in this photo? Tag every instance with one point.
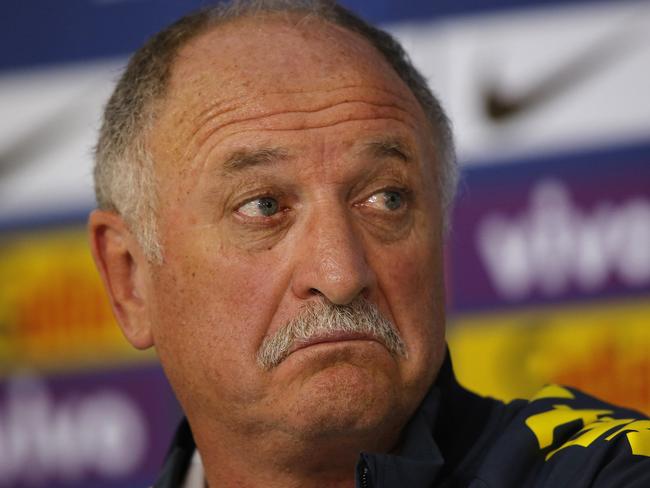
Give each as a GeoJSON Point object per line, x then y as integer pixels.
{"type": "Point", "coordinates": [559, 438]}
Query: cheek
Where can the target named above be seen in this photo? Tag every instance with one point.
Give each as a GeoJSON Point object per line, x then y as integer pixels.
{"type": "Point", "coordinates": [212, 312]}
{"type": "Point", "coordinates": [223, 298]}
{"type": "Point", "coordinates": [413, 286]}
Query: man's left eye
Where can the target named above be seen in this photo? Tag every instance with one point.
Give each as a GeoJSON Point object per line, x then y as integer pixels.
{"type": "Point", "coordinates": [386, 200]}
{"type": "Point", "coordinates": [260, 207]}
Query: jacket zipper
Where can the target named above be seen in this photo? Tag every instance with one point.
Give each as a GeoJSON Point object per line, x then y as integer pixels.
{"type": "Point", "coordinates": [365, 483]}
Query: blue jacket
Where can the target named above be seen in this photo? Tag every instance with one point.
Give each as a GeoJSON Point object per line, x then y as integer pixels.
{"type": "Point", "coordinates": [559, 438]}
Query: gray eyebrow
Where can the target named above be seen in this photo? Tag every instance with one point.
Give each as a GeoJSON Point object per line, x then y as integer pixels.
{"type": "Point", "coordinates": [246, 158]}
{"type": "Point", "coordinates": [391, 147]}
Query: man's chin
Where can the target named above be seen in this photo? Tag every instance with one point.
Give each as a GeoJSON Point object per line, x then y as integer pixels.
{"type": "Point", "coordinates": [346, 395]}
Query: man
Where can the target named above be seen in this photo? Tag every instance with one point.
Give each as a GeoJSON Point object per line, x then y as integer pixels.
{"type": "Point", "coordinates": [273, 181]}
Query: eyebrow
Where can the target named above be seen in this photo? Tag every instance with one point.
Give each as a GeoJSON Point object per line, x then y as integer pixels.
{"type": "Point", "coordinates": [246, 158]}
{"type": "Point", "coordinates": [391, 147]}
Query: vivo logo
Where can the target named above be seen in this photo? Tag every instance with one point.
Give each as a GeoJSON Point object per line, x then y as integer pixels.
{"type": "Point", "coordinates": [553, 245]}
{"type": "Point", "coordinates": [100, 434]}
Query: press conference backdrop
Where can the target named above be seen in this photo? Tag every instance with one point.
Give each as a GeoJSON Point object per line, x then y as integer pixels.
{"type": "Point", "coordinates": [548, 264]}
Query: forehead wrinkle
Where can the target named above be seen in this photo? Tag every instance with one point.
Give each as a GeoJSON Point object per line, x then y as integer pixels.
{"type": "Point", "coordinates": [387, 148]}
{"type": "Point", "coordinates": [215, 110]}
{"type": "Point", "coordinates": [195, 140]}
{"type": "Point", "coordinates": [291, 126]}
{"type": "Point", "coordinates": [365, 88]}
{"type": "Point", "coordinates": [324, 126]}
{"type": "Point", "coordinates": [261, 131]}
{"type": "Point", "coordinates": [209, 112]}
{"type": "Point", "coordinates": [210, 119]}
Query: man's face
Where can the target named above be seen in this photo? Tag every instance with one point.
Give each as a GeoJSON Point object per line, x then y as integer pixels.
{"type": "Point", "coordinates": [294, 167]}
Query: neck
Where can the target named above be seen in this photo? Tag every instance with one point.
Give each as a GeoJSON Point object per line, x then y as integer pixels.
{"type": "Point", "coordinates": [281, 460]}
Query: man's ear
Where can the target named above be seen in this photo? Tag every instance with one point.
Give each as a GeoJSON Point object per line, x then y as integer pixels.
{"type": "Point", "coordinates": [123, 268]}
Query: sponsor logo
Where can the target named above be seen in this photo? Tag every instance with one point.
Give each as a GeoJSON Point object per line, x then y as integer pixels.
{"type": "Point", "coordinates": [42, 438]}
{"type": "Point", "coordinates": [554, 245]}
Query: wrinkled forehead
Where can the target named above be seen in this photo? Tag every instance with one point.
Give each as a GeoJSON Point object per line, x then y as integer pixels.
{"type": "Point", "coordinates": [245, 59]}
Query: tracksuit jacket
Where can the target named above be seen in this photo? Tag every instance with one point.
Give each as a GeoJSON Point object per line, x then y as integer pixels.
{"type": "Point", "coordinates": [560, 438]}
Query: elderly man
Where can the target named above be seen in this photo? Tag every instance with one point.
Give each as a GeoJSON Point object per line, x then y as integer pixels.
{"type": "Point", "coordinates": [273, 181]}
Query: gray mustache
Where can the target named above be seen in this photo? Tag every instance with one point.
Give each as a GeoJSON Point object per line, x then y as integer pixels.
{"type": "Point", "coordinates": [319, 318]}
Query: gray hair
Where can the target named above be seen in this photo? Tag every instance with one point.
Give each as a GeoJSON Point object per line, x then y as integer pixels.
{"type": "Point", "coordinates": [318, 320]}
{"type": "Point", "coordinates": [125, 178]}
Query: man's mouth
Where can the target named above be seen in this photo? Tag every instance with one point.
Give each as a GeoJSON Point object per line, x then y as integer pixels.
{"type": "Point", "coordinates": [323, 323]}
{"type": "Point", "coordinates": [334, 336]}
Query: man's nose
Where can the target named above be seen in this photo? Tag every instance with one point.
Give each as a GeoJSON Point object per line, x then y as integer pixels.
{"type": "Point", "coordinates": [331, 260]}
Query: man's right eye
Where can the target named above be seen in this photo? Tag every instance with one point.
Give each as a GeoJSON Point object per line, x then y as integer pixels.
{"type": "Point", "coordinates": [260, 207]}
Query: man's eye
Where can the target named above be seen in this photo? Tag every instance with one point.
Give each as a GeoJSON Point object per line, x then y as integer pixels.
{"type": "Point", "coordinates": [386, 200]}
{"type": "Point", "coordinates": [260, 207]}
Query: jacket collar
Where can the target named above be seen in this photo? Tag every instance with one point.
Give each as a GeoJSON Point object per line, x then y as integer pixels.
{"type": "Point", "coordinates": [177, 460]}
{"type": "Point", "coordinates": [417, 460]}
